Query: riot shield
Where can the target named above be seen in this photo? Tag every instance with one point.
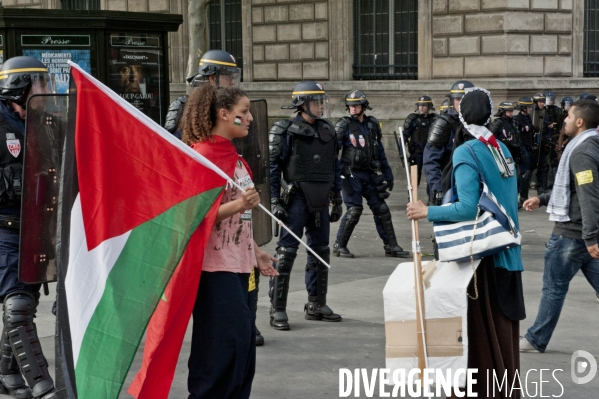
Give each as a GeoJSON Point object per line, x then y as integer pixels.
{"type": "Point", "coordinates": [254, 149]}
{"type": "Point", "coordinates": [45, 129]}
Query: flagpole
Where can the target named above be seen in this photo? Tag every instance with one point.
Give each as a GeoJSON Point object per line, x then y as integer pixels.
{"type": "Point", "coordinates": [280, 223]}
{"type": "Point", "coordinates": [417, 253]}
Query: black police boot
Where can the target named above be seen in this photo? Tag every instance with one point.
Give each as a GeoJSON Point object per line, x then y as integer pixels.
{"type": "Point", "coordinates": [341, 251]}
{"type": "Point", "coordinates": [346, 228]}
{"type": "Point", "coordinates": [280, 289]}
{"type": "Point", "coordinates": [259, 337]}
{"type": "Point", "coordinates": [392, 248]}
{"type": "Point", "coordinates": [19, 311]}
{"type": "Point", "coordinates": [12, 381]}
{"type": "Point", "coordinates": [395, 251]}
{"type": "Point", "coordinates": [316, 308]}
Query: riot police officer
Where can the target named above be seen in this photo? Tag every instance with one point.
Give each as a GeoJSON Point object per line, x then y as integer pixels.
{"type": "Point", "coordinates": [446, 134]}
{"type": "Point", "coordinates": [304, 150]}
{"type": "Point", "coordinates": [538, 160]}
{"type": "Point", "coordinates": [587, 96]}
{"type": "Point", "coordinates": [505, 129]}
{"type": "Point", "coordinates": [218, 68]}
{"type": "Point", "coordinates": [366, 173]}
{"type": "Point", "coordinates": [526, 129]}
{"type": "Point", "coordinates": [552, 125]}
{"type": "Point", "coordinates": [22, 356]}
{"type": "Point", "coordinates": [416, 128]}
{"type": "Point", "coordinates": [444, 106]}
{"type": "Point", "coordinates": [566, 103]}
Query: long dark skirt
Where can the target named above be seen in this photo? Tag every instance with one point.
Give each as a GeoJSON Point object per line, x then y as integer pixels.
{"type": "Point", "coordinates": [492, 336]}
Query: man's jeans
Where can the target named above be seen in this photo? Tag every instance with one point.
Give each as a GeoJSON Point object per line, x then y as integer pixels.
{"type": "Point", "coordinates": [563, 258]}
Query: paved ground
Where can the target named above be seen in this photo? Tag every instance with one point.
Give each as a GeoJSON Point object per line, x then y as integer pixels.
{"type": "Point", "coordinates": [305, 362]}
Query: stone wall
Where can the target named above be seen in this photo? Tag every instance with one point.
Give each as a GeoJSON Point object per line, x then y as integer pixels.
{"type": "Point", "coordinates": [501, 38]}
{"type": "Point", "coordinates": [290, 40]}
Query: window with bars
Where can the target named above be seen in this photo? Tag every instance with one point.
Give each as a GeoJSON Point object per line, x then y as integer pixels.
{"type": "Point", "coordinates": [591, 36]}
{"type": "Point", "coordinates": [80, 4]}
{"type": "Point", "coordinates": [224, 26]}
{"type": "Point", "coordinates": [385, 39]}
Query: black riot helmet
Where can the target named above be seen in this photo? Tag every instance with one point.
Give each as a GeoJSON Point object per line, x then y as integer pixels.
{"type": "Point", "coordinates": [424, 100]}
{"type": "Point", "coordinates": [549, 97]}
{"type": "Point", "coordinates": [504, 106]}
{"type": "Point", "coordinates": [310, 97]}
{"type": "Point", "coordinates": [525, 104]}
{"type": "Point", "coordinates": [221, 65]}
{"type": "Point", "coordinates": [588, 96]}
{"type": "Point", "coordinates": [457, 89]}
{"type": "Point", "coordinates": [567, 103]}
{"type": "Point", "coordinates": [356, 97]}
{"type": "Point", "coordinates": [21, 75]}
{"type": "Point", "coordinates": [444, 106]}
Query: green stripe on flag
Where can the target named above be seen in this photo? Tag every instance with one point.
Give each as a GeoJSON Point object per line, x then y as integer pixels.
{"type": "Point", "coordinates": [133, 288]}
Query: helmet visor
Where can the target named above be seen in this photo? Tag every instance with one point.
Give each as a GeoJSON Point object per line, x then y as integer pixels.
{"type": "Point", "coordinates": [567, 105]}
{"type": "Point", "coordinates": [38, 83]}
{"type": "Point", "coordinates": [225, 77]}
{"type": "Point", "coordinates": [317, 107]}
{"type": "Point", "coordinates": [550, 101]}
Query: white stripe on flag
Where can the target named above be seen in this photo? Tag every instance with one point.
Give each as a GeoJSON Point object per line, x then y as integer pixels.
{"type": "Point", "coordinates": [86, 275]}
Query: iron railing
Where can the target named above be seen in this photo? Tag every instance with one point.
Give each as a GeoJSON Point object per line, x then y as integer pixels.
{"type": "Point", "coordinates": [591, 38]}
{"type": "Point", "coordinates": [385, 39]}
{"type": "Point", "coordinates": [225, 28]}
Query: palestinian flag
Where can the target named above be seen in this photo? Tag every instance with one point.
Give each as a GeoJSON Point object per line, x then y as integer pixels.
{"type": "Point", "coordinates": [134, 201]}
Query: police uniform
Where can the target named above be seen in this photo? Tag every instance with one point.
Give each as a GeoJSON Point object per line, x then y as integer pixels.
{"type": "Point", "coordinates": [366, 174]}
{"type": "Point", "coordinates": [506, 129]}
{"type": "Point", "coordinates": [554, 116]}
{"type": "Point", "coordinates": [303, 155]}
{"type": "Point", "coordinates": [21, 351]}
{"type": "Point", "coordinates": [526, 130]}
{"type": "Point", "coordinates": [415, 132]}
{"type": "Point", "coordinates": [446, 134]}
{"type": "Point", "coordinates": [539, 156]}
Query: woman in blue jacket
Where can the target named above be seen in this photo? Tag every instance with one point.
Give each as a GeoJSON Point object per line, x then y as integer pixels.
{"type": "Point", "coordinates": [496, 302]}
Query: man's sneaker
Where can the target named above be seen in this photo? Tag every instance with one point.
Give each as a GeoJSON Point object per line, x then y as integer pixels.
{"type": "Point", "coordinates": [526, 346]}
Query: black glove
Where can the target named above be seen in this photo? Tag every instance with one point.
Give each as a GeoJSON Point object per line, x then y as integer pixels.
{"type": "Point", "coordinates": [390, 185]}
{"type": "Point", "coordinates": [337, 208]}
{"type": "Point", "coordinates": [278, 209]}
{"type": "Point", "coordinates": [438, 198]}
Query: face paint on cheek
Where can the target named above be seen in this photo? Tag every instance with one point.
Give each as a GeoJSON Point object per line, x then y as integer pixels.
{"type": "Point", "coordinates": [238, 120]}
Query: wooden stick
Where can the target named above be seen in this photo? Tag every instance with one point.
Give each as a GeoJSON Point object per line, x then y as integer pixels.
{"type": "Point", "coordinates": [417, 253]}
{"type": "Point", "coordinates": [419, 287]}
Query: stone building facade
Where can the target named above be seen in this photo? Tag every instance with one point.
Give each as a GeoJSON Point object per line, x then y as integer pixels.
{"type": "Point", "coordinates": [511, 47]}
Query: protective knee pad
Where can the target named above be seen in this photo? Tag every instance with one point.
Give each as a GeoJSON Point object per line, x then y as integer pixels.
{"type": "Point", "coordinates": [381, 210]}
{"type": "Point", "coordinates": [19, 311]}
{"type": "Point", "coordinates": [354, 213]}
